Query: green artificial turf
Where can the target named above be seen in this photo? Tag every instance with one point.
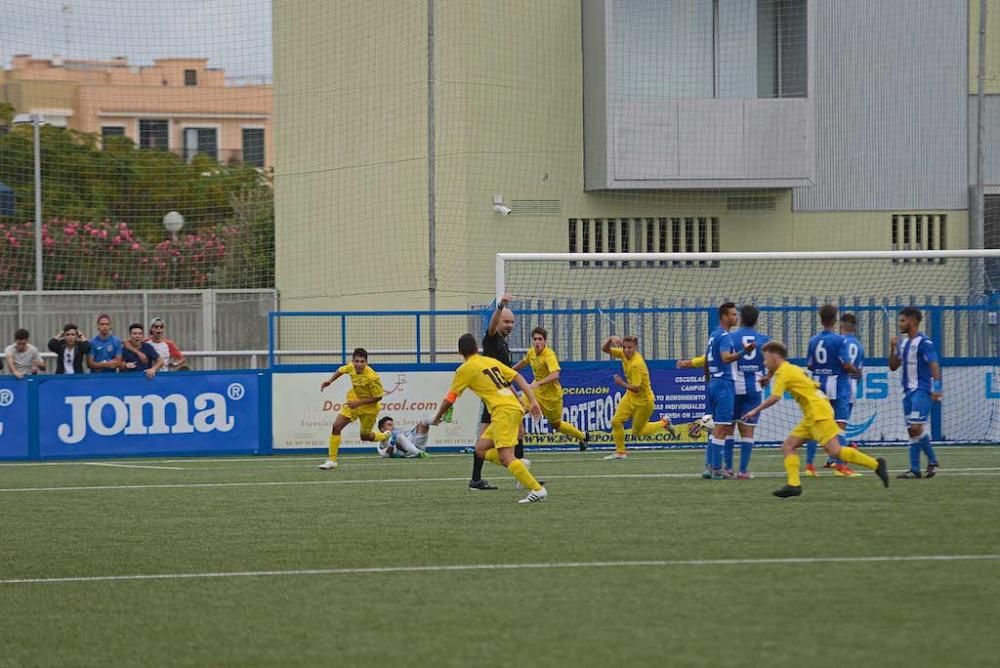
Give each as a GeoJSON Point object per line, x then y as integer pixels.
{"type": "Point", "coordinates": [282, 514]}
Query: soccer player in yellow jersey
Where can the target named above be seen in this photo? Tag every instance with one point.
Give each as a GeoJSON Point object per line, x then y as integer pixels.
{"type": "Point", "coordinates": [637, 404]}
{"type": "Point", "coordinates": [361, 403]}
{"type": "Point", "coordinates": [490, 380]}
{"type": "Point", "coordinates": [817, 420]}
{"type": "Point", "coordinates": [548, 390]}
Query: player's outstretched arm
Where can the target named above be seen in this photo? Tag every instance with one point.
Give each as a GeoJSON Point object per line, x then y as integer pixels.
{"type": "Point", "coordinates": [446, 403]}
{"type": "Point", "coordinates": [693, 363]}
{"type": "Point", "coordinates": [524, 386]}
{"type": "Point", "coordinates": [770, 401]}
{"type": "Point", "coordinates": [328, 383]}
{"type": "Point", "coordinates": [611, 342]}
{"type": "Point", "coordinates": [491, 329]}
{"type": "Point", "coordinates": [728, 357]}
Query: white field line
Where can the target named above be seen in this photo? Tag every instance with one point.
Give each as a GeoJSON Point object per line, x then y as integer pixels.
{"type": "Point", "coordinates": [390, 481]}
{"type": "Point", "coordinates": [566, 565]}
{"type": "Point", "coordinates": [136, 466]}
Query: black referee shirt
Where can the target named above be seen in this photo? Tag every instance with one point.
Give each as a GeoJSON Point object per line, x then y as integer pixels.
{"type": "Point", "coordinates": [495, 346]}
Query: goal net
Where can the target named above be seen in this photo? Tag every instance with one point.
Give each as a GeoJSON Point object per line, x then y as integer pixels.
{"type": "Point", "coordinates": [670, 302]}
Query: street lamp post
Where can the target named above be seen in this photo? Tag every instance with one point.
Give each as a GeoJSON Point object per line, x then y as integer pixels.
{"type": "Point", "coordinates": [173, 222]}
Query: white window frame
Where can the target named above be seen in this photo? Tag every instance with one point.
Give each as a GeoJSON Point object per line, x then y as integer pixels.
{"type": "Point", "coordinates": [202, 126]}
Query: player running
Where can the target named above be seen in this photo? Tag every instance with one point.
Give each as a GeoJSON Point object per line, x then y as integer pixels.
{"type": "Point", "coordinates": [408, 444]}
{"type": "Point", "coordinates": [826, 362]}
{"type": "Point", "coordinates": [749, 371]}
{"type": "Point", "coordinates": [490, 381]}
{"type": "Point", "coordinates": [361, 403]}
{"type": "Point", "coordinates": [548, 390]}
{"type": "Point", "coordinates": [638, 403]}
{"type": "Point", "coordinates": [817, 420]}
{"type": "Point", "coordinates": [916, 354]}
{"type": "Point", "coordinates": [720, 358]}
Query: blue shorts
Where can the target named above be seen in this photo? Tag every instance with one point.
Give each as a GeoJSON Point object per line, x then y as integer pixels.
{"type": "Point", "coordinates": [721, 400]}
{"type": "Point", "coordinates": [841, 409]}
{"type": "Point", "coordinates": [744, 404]}
{"type": "Point", "coordinates": [917, 407]}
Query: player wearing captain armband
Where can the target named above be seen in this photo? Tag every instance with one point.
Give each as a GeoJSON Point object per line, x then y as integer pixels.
{"type": "Point", "coordinates": [834, 378]}
{"type": "Point", "coordinates": [638, 403]}
{"type": "Point", "coordinates": [490, 380]}
{"type": "Point", "coordinates": [361, 403]}
{"type": "Point", "coordinates": [921, 378]}
{"type": "Point", "coordinates": [720, 358]}
{"type": "Point", "coordinates": [409, 444]}
{"type": "Point", "coordinates": [749, 371]}
{"type": "Point", "coordinates": [817, 420]}
{"type": "Point", "coordinates": [548, 390]}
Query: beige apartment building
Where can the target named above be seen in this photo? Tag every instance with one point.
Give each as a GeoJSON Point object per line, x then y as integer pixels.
{"type": "Point", "coordinates": [177, 104]}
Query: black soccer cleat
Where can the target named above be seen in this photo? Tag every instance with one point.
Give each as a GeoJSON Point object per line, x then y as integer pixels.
{"type": "Point", "coordinates": [788, 491]}
{"type": "Point", "coordinates": [931, 471]}
{"type": "Point", "coordinates": [882, 471]}
{"type": "Point", "coordinates": [585, 443]}
{"type": "Point", "coordinates": [481, 485]}
{"type": "Point", "coordinates": [909, 475]}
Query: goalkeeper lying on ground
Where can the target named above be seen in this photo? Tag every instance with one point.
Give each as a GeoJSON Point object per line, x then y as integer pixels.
{"type": "Point", "coordinates": [408, 444]}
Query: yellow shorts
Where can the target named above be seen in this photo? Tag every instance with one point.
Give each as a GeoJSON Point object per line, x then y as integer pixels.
{"type": "Point", "coordinates": [504, 425]}
{"type": "Point", "coordinates": [821, 431]}
{"type": "Point", "coordinates": [551, 408]}
{"type": "Point", "coordinates": [367, 418]}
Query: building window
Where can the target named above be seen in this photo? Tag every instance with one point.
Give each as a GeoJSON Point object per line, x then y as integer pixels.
{"type": "Point", "coordinates": [154, 134]}
{"type": "Point", "coordinates": [190, 77]}
{"type": "Point", "coordinates": [204, 141]}
{"type": "Point", "coordinates": [919, 232]}
{"type": "Point", "coordinates": [253, 147]}
{"type": "Point", "coordinates": [112, 131]}
{"type": "Point", "coordinates": [991, 238]}
{"type": "Point", "coordinates": [692, 234]}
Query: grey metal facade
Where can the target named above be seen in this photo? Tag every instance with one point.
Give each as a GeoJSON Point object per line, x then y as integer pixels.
{"type": "Point", "coordinates": [891, 97]}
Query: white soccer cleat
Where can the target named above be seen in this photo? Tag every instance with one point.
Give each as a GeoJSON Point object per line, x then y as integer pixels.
{"type": "Point", "coordinates": [616, 455]}
{"type": "Point", "coordinates": [328, 464]}
{"type": "Point", "coordinates": [535, 497]}
{"type": "Point", "coordinates": [527, 465]}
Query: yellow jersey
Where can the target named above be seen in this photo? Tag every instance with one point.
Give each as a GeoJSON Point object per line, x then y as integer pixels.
{"type": "Point", "coordinates": [542, 364]}
{"type": "Point", "coordinates": [364, 385]}
{"type": "Point", "coordinates": [490, 381]}
{"type": "Point", "coordinates": [814, 403]}
{"type": "Point", "coordinates": [636, 373]}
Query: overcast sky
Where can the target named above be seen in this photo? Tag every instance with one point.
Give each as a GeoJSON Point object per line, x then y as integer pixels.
{"type": "Point", "coordinates": [232, 34]}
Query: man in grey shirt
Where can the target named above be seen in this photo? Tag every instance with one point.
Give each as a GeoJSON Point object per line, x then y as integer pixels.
{"type": "Point", "coordinates": [21, 358]}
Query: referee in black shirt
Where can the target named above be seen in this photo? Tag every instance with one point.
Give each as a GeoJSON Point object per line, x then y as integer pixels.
{"type": "Point", "coordinates": [495, 346]}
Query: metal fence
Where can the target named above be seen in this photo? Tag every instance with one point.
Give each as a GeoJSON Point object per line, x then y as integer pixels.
{"type": "Point", "coordinates": [228, 325]}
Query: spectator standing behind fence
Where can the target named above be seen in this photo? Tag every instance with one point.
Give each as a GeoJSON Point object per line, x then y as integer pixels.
{"type": "Point", "coordinates": [167, 349]}
{"type": "Point", "coordinates": [70, 347]}
{"type": "Point", "coordinates": [21, 358]}
{"type": "Point", "coordinates": [105, 348]}
{"type": "Point", "coordinates": [140, 356]}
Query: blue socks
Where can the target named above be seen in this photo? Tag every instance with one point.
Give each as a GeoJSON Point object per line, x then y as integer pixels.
{"type": "Point", "coordinates": [811, 451]}
{"type": "Point", "coordinates": [746, 449]}
{"type": "Point", "coordinates": [717, 446]}
{"type": "Point", "coordinates": [915, 456]}
{"type": "Point", "coordinates": [925, 445]}
{"type": "Point", "coordinates": [729, 453]}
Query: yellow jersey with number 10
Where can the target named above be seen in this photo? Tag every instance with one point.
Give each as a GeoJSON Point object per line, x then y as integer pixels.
{"type": "Point", "coordinates": [490, 381]}
{"type": "Point", "coordinates": [814, 403]}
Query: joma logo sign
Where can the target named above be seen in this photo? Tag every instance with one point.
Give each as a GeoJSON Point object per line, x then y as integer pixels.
{"type": "Point", "coordinates": [127, 415]}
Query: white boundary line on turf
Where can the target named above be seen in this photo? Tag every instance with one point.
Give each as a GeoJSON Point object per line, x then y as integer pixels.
{"type": "Point", "coordinates": [507, 567]}
{"type": "Point", "coordinates": [990, 472]}
{"type": "Point", "coordinates": [135, 466]}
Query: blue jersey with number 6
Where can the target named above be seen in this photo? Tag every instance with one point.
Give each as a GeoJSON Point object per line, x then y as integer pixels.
{"type": "Point", "coordinates": [824, 362]}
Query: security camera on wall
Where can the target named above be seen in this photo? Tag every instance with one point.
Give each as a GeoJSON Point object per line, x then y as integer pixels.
{"type": "Point", "coordinates": [500, 207]}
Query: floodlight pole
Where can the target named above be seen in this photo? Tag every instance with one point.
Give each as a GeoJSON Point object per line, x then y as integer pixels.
{"type": "Point", "coordinates": [431, 190]}
{"type": "Point", "coordinates": [977, 266]}
{"type": "Point", "coordinates": [36, 122]}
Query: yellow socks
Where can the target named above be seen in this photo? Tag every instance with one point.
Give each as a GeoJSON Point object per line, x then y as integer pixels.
{"type": "Point", "coordinates": [857, 457]}
{"type": "Point", "coordinates": [653, 427]}
{"type": "Point", "coordinates": [618, 434]}
{"type": "Point", "coordinates": [792, 469]}
{"type": "Point", "coordinates": [334, 447]}
{"type": "Point", "coordinates": [380, 436]}
{"type": "Point", "coordinates": [571, 431]}
{"type": "Point", "coordinates": [523, 475]}
{"type": "Point", "coordinates": [492, 456]}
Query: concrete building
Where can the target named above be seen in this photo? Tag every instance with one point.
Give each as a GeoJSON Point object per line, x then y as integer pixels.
{"type": "Point", "coordinates": [177, 104]}
{"type": "Point", "coordinates": [677, 125]}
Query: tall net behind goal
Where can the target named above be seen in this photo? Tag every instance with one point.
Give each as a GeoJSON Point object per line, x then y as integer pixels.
{"type": "Point", "coordinates": [670, 303]}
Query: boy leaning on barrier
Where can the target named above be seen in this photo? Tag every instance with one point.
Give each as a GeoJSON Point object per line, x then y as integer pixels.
{"type": "Point", "coordinates": [21, 358]}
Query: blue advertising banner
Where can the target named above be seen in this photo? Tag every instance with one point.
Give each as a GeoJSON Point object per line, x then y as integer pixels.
{"type": "Point", "coordinates": [13, 419]}
{"type": "Point", "coordinates": [590, 398]}
{"type": "Point", "coordinates": [130, 414]}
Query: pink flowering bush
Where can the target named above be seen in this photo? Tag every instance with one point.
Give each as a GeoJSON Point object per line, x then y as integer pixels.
{"type": "Point", "coordinates": [105, 255]}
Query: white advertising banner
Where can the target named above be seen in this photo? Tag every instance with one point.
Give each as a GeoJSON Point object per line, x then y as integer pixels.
{"type": "Point", "coordinates": [302, 415]}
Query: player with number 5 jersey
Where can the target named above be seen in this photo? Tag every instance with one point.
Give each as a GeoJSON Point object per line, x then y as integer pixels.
{"type": "Point", "coordinates": [750, 370]}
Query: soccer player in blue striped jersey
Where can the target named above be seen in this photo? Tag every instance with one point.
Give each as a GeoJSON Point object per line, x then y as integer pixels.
{"type": "Point", "coordinates": [720, 358]}
{"type": "Point", "coordinates": [852, 360]}
{"type": "Point", "coordinates": [916, 355]}
{"type": "Point", "coordinates": [750, 369]}
{"type": "Point", "coordinates": [834, 380]}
